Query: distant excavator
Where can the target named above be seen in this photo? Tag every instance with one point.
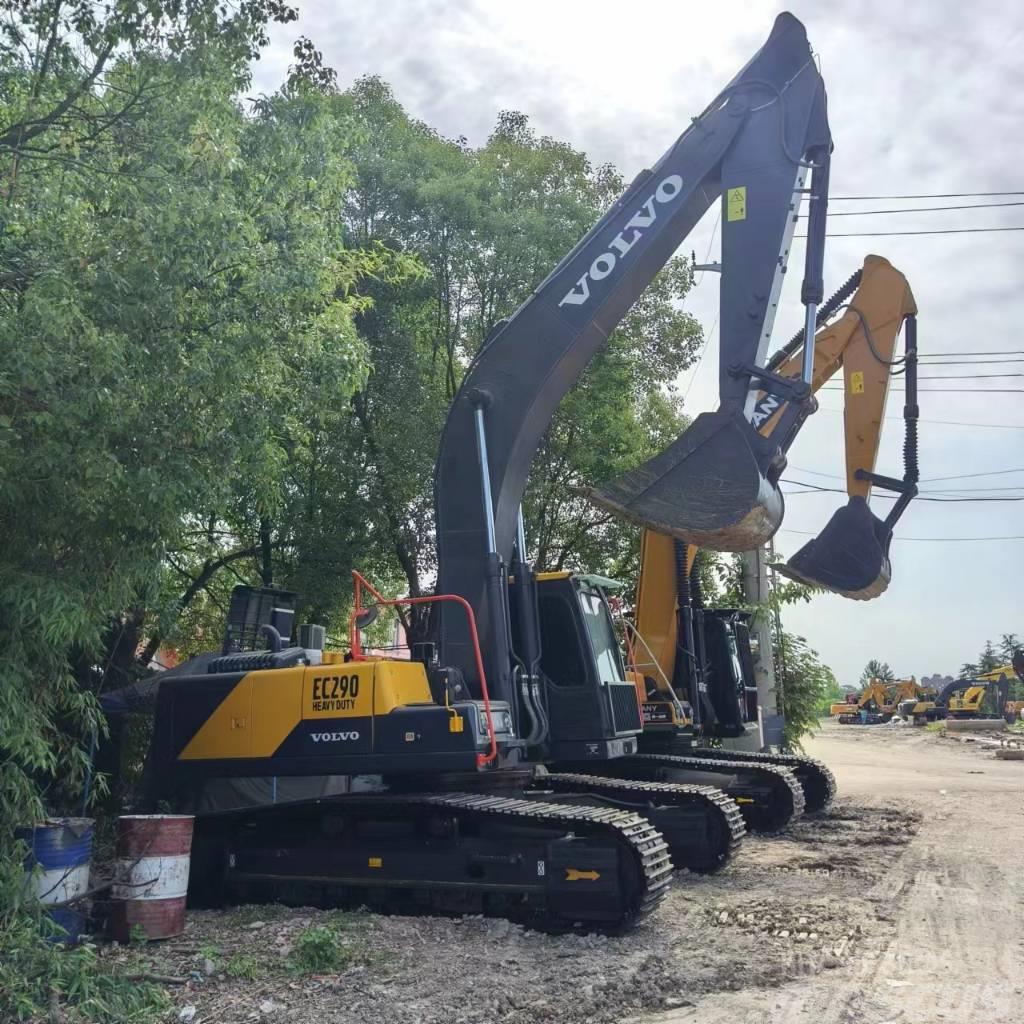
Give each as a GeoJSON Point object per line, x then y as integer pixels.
{"type": "Point", "coordinates": [879, 701]}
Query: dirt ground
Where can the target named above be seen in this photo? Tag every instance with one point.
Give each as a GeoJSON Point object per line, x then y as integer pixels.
{"type": "Point", "coordinates": [903, 903]}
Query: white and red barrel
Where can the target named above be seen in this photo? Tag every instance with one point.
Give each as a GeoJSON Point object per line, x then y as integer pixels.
{"type": "Point", "coordinates": [151, 877]}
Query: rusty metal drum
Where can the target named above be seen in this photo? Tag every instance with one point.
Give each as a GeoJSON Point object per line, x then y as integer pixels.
{"type": "Point", "coordinates": [153, 853]}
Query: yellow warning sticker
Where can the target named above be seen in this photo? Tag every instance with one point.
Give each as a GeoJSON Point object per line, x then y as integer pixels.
{"type": "Point", "coordinates": [736, 203]}
{"type": "Point", "coordinates": [375, 862]}
{"type": "Point", "coordinates": [857, 382]}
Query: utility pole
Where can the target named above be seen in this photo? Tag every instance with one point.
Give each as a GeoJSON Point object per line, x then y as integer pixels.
{"type": "Point", "coordinates": [756, 592]}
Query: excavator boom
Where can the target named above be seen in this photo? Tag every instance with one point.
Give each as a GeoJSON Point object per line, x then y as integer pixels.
{"type": "Point", "coordinates": [750, 147]}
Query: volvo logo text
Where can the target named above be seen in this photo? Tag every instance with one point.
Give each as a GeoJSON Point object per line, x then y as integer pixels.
{"type": "Point", "coordinates": [620, 245]}
{"type": "Point", "coordinates": [333, 737]}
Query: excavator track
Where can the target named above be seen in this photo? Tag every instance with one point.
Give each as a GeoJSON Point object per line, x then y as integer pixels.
{"type": "Point", "coordinates": [769, 796]}
{"type": "Point", "coordinates": [701, 825]}
{"type": "Point", "coordinates": [553, 867]}
{"type": "Point", "coordinates": [817, 782]}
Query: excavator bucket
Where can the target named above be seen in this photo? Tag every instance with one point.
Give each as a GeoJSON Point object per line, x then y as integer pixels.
{"type": "Point", "coordinates": [708, 488]}
{"type": "Point", "coordinates": [850, 556]}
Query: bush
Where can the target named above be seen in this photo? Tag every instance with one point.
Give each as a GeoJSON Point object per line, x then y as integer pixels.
{"type": "Point", "coordinates": [40, 979]}
{"type": "Point", "coordinates": [318, 950]}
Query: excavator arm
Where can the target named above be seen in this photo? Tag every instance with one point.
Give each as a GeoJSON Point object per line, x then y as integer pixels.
{"type": "Point", "coordinates": [851, 555]}
{"type": "Point", "coordinates": [752, 148]}
{"type": "Point", "coordinates": [862, 343]}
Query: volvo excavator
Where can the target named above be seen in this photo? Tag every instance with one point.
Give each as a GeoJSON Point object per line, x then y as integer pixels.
{"type": "Point", "coordinates": [477, 776]}
{"type": "Point", "coordinates": [696, 676]}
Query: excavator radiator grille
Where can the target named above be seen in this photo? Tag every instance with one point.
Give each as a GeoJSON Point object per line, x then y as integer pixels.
{"type": "Point", "coordinates": [625, 709]}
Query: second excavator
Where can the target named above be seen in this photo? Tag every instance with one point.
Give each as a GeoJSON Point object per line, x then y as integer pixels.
{"type": "Point", "coordinates": [695, 669]}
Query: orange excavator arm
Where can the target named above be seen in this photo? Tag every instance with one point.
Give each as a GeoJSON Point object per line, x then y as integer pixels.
{"type": "Point", "coordinates": [861, 342]}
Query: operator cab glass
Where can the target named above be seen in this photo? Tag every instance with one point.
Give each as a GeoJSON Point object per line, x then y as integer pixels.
{"type": "Point", "coordinates": [598, 621]}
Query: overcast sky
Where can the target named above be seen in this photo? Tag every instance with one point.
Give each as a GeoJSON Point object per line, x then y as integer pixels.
{"type": "Point", "coordinates": [923, 98]}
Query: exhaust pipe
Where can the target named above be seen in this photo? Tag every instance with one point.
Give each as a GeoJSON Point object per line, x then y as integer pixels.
{"type": "Point", "coordinates": [849, 557]}
{"type": "Point", "coordinates": [710, 487]}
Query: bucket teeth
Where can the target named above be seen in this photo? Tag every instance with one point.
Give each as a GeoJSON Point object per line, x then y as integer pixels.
{"type": "Point", "coordinates": [708, 488]}
{"type": "Point", "coordinates": [849, 557]}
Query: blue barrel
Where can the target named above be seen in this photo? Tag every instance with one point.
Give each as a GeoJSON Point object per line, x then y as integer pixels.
{"type": "Point", "coordinates": [57, 867]}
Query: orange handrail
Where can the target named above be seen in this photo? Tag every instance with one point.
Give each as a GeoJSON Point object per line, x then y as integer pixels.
{"type": "Point", "coordinates": [357, 646]}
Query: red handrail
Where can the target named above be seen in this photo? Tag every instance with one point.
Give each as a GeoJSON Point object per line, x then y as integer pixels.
{"type": "Point", "coordinates": [357, 646]}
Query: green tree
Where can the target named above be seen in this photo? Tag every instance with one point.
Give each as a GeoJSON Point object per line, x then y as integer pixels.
{"type": "Point", "coordinates": [1008, 643]}
{"type": "Point", "coordinates": [177, 329]}
{"type": "Point", "coordinates": [488, 224]}
{"type": "Point", "coordinates": [989, 658]}
{"type": "Point", "coordinates": [806, 685]}
{"type": "Point", "coordinates": [876, 669]}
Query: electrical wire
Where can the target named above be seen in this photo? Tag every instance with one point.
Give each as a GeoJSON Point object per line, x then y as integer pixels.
{"type": "Point", "coordinates": [707, 340]}
{"type": "Point", "coordinates": [944, 423]}
{"type": "Point", "coordinates": [935, 195]}
{"type": "Point", "coordinates": [890, 234]}
{"type": "Point", "coordinates": [966, 476]}
{"type": "Point", "coordinates": [990, 352]}
{"type": "Point", "coordinates": [930, 479]}
{"type": "Point", "coordinates": [970, 362]}
{"type": "Point", "coordinates": [959, 391]}
{"type": "Point", "coordinates": [921, 497]}
{"type": "Point", "coordinates": [926, 540]}
{"type": "Point", "coordinates": [923, 209]}
{"type": "Point", "coordinates": [966, 376]}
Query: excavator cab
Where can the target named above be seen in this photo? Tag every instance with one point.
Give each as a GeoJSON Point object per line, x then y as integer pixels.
{"type": "Point", "coordinates": [585, 706]}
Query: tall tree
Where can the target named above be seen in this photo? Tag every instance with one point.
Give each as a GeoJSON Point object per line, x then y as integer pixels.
{"type": "Point", "coordinates": [177, 332]}
{"type": "Point", "coordinates": [879, 670]}
{"type": "Point", "coordinates": [989, 658]}
{"type": "Point", "coordinates": [1008, 644]}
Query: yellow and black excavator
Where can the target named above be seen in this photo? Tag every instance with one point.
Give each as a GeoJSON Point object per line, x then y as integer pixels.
{"type": "Point", "coordinates": [488, 772]}
{"type": "Point", "coordinates": [987, 695]}
{"type": "Point", "coordinates": [693, 665]}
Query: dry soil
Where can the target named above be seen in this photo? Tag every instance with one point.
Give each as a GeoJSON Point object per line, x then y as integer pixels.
{"type": "Point", "coordinates": [903, 903]}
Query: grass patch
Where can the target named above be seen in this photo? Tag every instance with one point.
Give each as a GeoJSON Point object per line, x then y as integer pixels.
{"type": "Point", "coordinates": [210, 952]}
{"type": "Point", "coordinates": [322, 950]}
{"type": "Point", "coordinates": [935, 727]}
{"type": "Point", "coordinates": [244, 965]}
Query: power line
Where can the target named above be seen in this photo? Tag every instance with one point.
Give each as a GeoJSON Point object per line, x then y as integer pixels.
{"type": "Point", "coordinates": [924, 480]}
{"type": "Point", "coordinates": [921, 209]}
{"type": "Point", "coordinates": [990, 352]}
{"type": "Point", "coordinates": [967, 476]}
{"type": "Point", "coordinates": [926, 540]}
{"type": "Point", "coordinates": [935, 195]}
{"type": "Point", "coordinates": [966, 376]}
{"type": "Point", "coordinates": [707, 340]}
{"type": "Point", "coordinates": [960, 391]}
{"type": "Point", "coordinates": [944, 423]}
{"type": "Point", "coordinates": [889, 234]}
{"type": "Point", "coordinates": [930, 361]}
{"type": "Point", "coordinates": [920, 497]}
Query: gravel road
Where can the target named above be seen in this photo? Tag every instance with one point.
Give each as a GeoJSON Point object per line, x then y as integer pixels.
{"type": "Point", "coordinates": [948, 943]}
{"type": "Point", "coordinates": [901, 904]}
